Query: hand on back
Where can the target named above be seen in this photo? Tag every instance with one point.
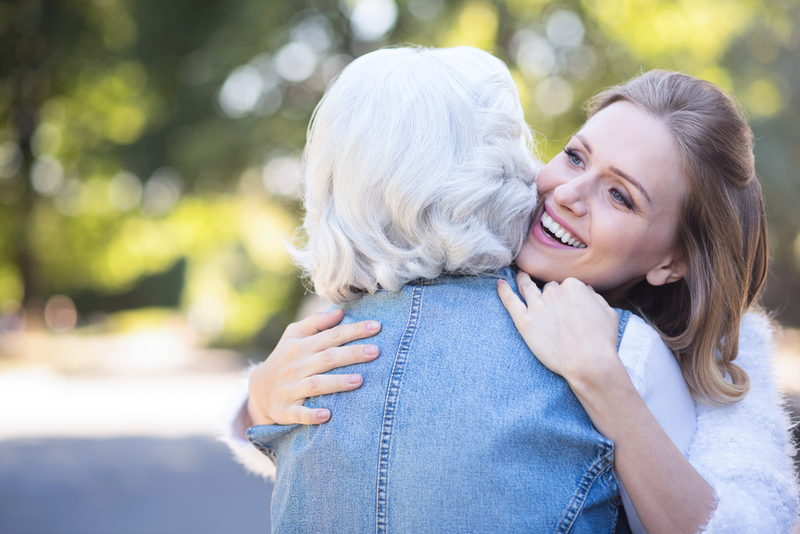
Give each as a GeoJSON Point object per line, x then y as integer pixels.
{"type": "Point", "coordinates": [294, 370]}
{"type": "Point", "coordinates": [567, 326]}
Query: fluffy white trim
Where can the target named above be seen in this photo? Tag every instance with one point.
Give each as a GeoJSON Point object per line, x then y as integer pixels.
{"type": "Point", "coordinates": [232, 432]}
{"type": "Point", "coordinates": [744, 450]}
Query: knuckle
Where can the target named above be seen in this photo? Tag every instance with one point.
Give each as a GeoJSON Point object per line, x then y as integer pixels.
{"type": "Point", "coordinates": [291, 330]}
{"type": "Point", "coordinates": [290, 369]}
{"type": "Point", "coordinates": [313, 383]}
{"type": "Point", "coordinates": [327, 355]}
{"type": "Point", "coordinates": [336, 333]}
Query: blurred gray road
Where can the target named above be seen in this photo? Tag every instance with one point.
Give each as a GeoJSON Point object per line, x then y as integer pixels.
{"type": "Point", "coordinates": [128, 486]}
{"type": "Point", "coordinates": [134, 486]}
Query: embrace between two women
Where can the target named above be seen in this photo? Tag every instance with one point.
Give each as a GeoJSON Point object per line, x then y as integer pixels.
{"type": "Point", "coordinates": [433, 414]}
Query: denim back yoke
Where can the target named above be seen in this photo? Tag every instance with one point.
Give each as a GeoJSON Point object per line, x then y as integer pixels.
{"type": "Point", "coordinates": [456, 428]}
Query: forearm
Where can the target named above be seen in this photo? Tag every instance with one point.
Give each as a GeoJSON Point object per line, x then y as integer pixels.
{"type": "Point", "coordinates": [669, 495]}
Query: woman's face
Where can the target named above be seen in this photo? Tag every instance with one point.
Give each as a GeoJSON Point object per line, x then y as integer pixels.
{"type": "Point", "coordinates": [616, 189]}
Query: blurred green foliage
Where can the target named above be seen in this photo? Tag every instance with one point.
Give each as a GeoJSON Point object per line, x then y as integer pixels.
{"type": "Point", "coordinates": [142, 137]}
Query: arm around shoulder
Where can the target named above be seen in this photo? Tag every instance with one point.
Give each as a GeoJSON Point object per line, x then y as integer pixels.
{"type": "Point", "coordinates": [745, 451]}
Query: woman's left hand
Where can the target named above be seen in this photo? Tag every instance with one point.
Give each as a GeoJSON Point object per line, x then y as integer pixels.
{"type": "Point", "coordinates": [570, 328]}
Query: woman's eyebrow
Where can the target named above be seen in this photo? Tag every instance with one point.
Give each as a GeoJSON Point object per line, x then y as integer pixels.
{"type": "Point", "coordinates": [633, 181]}
{"type": "Point", "coordinates": [585, 143]}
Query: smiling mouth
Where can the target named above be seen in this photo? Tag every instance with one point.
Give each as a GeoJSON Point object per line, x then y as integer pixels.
{"type": "Point", "coordinates": [557, 232]}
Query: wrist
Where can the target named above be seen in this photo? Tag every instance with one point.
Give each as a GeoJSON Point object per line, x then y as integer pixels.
{"type": "Point", "coordinates": [607, 394]}
{"type": "Point", "coordinates": [598, 372]}
{"type": "Point", "coordinates": [256, 417]}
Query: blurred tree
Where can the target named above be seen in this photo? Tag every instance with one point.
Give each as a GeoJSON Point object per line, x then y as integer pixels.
{"type": "Point", "coordinates": [137, 135]}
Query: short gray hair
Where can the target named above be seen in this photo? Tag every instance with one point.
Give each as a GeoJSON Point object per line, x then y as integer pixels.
{"type": "Point", "coordinates": [418, 162]}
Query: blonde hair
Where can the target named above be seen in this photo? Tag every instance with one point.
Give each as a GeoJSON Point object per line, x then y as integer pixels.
{"type": "Point", "coordinates": [722, 232]}
{"type": "Point", "coordinates": [418, 162]}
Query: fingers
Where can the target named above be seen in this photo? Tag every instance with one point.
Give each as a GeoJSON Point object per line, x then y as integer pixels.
{"type": "Point", "coordinates": [342, 334]}
{"type": "Point", "coordinates": [516, 308]}
{"type": "Point", "coordinates": [297, 414]}
{"type": "Point", "coordinates": [314, 324]}
{"type": "Point", "coordinates": [527, 287]}
{"type": "Point", "coordinates": [326, 384]}
{"type": "Point", "coordinates": [335, 357]}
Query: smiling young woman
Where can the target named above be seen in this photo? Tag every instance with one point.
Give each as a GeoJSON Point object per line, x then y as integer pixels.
{"type": "Point", "coordinates": [615, 189]}
{"type": "Point", "coordinates": [721, 236]}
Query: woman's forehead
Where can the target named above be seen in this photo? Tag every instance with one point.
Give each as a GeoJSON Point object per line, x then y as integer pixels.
{"type": "Point", "coordinates": [623, 137]}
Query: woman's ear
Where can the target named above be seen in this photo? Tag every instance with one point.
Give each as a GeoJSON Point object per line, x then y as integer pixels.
{"type": "Point", "coordinates": [671, 270]}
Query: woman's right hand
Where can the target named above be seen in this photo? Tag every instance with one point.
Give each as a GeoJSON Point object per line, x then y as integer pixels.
{"type": "Point", "coordinates": [280, 384]}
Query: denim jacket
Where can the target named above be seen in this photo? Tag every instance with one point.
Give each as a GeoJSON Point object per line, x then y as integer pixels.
{"type": "Point", "coordinates": [456, 428]}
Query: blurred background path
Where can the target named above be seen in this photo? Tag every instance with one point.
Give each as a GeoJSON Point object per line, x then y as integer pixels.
{"type": "Point", "coordinates": [123, 448]}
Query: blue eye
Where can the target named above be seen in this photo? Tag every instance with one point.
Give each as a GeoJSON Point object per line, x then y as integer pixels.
{"type": "Point", "coordinates": [573, 157]}
{"type": "Point", "coordinates": [618, 196]}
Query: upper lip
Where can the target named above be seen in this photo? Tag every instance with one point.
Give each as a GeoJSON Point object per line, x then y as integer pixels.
{"type": "Point", "coordinates": [564, 225]}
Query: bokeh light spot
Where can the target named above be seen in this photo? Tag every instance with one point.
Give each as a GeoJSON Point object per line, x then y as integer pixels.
{"type": "Point", "coordinates": [535, 55]}
{"type": "Point", "coordinates": [296, 61]}
{"type": "Point", "coordinates": [47, 175]}
{"type": "Point", "coordinates": [282, 174]}
{"type": "Point", "coordinates": [207, 314]}
{"type": "Point", "coordinates": [371, 20]}
{"type": "Point", "coordinates": [241, 91]}
{"type": "Point", "coordinates": [553, 96]}
{"type": "Point", "coordinates": [763, 98]}
{"type": "Point", "coordinates": [565, 29]}
{"type": "Point", "coordinates": [124, 191]}
{"type": "Point", "coordinates": [162, 191]}
{"type": "Point", "coordinates": [60, 314]}
{"type": "Point", "coordinates": [124, 125]}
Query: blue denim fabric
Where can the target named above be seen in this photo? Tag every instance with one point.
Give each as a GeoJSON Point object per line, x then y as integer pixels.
{"type": "Point", "coordinates": [456, 428]}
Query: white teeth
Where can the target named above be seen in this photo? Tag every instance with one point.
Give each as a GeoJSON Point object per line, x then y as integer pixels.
{"type": "Point", "coordinates": [561, 233]}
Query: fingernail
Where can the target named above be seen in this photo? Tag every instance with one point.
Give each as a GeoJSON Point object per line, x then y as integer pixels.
{"type": "Point", "coordinates": [337, 310]}
{"type": "Point", "coordinates": [500, 282]}
{"type": "Point", "coordinates": [371, 350]}
{"type": "Point", "coordinates": [323, 414]}
{"type": "Point", "coordinates": [354, 379]}
{"type": "Point", "coordinates": [373, 325]}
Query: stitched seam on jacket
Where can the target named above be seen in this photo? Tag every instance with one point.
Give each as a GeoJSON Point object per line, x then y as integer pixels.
{"type": "Point", "coordinates": [602, 464]}
{"type": "Point", "coordinates": [392, 395]}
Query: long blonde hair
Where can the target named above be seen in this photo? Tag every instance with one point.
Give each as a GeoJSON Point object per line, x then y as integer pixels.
{"type": "Point", "coordinates": [722, 233]}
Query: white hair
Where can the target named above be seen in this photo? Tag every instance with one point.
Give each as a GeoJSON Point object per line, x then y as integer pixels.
{"type": "Point", "coordinates": [418, 162]}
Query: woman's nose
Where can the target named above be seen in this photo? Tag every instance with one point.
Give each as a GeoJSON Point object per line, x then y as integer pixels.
{"type": "Point", "coordinates": [571, 195]}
